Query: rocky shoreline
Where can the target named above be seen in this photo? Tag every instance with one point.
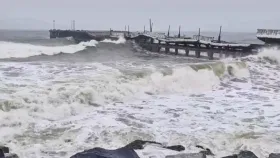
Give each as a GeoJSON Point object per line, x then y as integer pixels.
{"type": "Point", "coordinates": [128, 152]}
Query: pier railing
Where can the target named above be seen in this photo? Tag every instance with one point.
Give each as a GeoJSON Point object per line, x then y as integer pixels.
{"type": "Point", "coordinates": [268, 33]}
{"type": "Point", "coordinates": [155, 35]}
{"type": "Point", "coordinates": [203, 38]}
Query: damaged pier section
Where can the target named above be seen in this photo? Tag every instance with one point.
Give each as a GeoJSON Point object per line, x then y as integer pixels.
{"type": "Point", "coordinates": [197, 46]}
{"type": "Point", "coordinates": [194, 46]}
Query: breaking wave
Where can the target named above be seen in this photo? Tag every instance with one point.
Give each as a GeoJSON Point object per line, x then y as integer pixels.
{"type": "Point", "coordinates": [64, 91]}
{"type": "Point", "coordinates": [102, 84]}
{"type": "Point", "coordinates": [121, 40]}
{"type": "Point", "coordinates": [23, 50]}
{"type": "Point", "coordinates": [272, 54]}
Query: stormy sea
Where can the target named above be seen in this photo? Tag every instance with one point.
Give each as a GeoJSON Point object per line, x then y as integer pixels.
{"type": "Point", "coordinates": [59, 97]}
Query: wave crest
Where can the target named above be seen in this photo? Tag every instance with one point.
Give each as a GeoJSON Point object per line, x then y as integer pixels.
{"type": "Point", "coordinates": [121, 40]}
{"type": "Point", "coordinates": [23, 50]}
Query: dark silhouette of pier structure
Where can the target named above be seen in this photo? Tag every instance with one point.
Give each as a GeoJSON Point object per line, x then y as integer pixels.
{"type": "Point", "coordinates": [159, 42]}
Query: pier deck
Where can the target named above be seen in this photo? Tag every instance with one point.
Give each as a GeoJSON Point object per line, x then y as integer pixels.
{"type": "Point", "coordinates": [157, 42]}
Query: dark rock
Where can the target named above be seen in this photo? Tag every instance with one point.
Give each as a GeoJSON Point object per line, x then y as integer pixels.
{"type": "Point", "coordinates": [5, 149]}
{"type": "Point", "coordinates": [5, 153]}
{"type": "Point", "coordinates": [11, 155]}
{"type": "Point", "coordinates": [2, 155]}
{"type": "Point", "coordinates": [126, 151]}
{"type": "Point", "coordinates": [242, 154]}
{"type": "Point", "coordinates": [274, 155]}
{"type": "Point", "coordinates": [176, 147]}
{"type": "Point", "coordinates": [104, 153]}
{"type": "Point", "coordinates": [205, 151]}
{"type": "Point", "coordinates": [232, 156]}
{"type": "Point", "coordinates": [246, 154]}
{"type": "Point", "coordinates": [187, 155]}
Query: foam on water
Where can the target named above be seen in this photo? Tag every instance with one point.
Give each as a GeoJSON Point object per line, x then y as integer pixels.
{"type": "Point", "coordinates": [38, 97]}
{"type": "Point", "coordinates": [121, 40]}
{"type": "Point", "coordinates": [272, 54]}
{"type": "Point", "coordinates": [23, 50]}
{"type": "Point", "coordinates": [55, 110]}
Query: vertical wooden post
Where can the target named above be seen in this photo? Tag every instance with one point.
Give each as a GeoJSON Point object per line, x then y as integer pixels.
{"type": "Point", "coordinates": [198, 34]}
{"type": "Point", "coordinates": [151, 29]}
{"type": "Point", "coordinates": [219, 37]}
{"type": "Point", "coordinates": [176, 48]}
{"type": "Point", "coordinates": [167, 48]}
{"type": "Point", "coordinates": [210, 55]}
{"type": "Point", "coordinates": [179, 34]}
{"type": "Point", "coordinates": [187, 50]}
{"type": "Point", "coordinates": [197, 53]}
{"type": "Point", "coordinates": [159, 45]}
{"type": "Point", "coordinates": [168, 33]}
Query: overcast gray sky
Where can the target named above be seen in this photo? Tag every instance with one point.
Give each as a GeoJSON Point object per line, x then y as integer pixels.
{"type": "Point", "coordinates": [234, 15]}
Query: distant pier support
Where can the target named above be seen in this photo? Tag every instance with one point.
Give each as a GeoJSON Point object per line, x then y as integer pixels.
{"type": "Point", "coordinates": [159, 48]}
{"type": "Point", "coordinates": [167, 48]}
{"type": "Point", "coordinates": [176, 49]}
{"type": "Point", "coordinates": [210, 55]}
{"type": "Point", "coordinates": [197, 51]}
{"type": "Point", "coordinates": [194, 46]}
{"type": "Point", "coordinates": [187, 51]}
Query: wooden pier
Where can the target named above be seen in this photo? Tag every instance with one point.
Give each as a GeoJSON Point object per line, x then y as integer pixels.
{"type": "Point", "coordinates": [197, 46]}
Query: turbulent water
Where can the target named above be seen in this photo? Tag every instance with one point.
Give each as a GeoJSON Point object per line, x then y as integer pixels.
{"type": "Point", "coordinates": [58, 98]}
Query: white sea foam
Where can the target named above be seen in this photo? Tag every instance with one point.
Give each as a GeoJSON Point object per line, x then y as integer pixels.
{"type": "Point", "coordinates": [23, 50]}
{"type": "Point", "coordinates": [57, 109]}
{"type": "Point", "coordinates": [121, 40]}
{"type": "Point", "coordinates": [272, 54]}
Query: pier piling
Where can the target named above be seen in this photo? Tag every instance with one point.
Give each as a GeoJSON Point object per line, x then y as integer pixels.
{"type": "Point", "coordinates": [210, 55]}
{"type": "Point", "coordinates": [176, 49]}
{"type": "Point", "coordinates": [167, 48]}
{"type": "Point", "coordinates": [187, 51]}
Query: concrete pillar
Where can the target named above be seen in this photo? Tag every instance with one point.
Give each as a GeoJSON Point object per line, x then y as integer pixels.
{"type": "Point", "coordinates": [176, 49]}
{"type": "Point", "coordinates": [159, 47]}
{"type": "Point", "coordinates": [197, 53]}
{"type": "Point", "coordinates": [167, 48]}
{"type": "Point", "coordinates": [187, 52]}
{"type": "Point", "coordinates": [210, 55]}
